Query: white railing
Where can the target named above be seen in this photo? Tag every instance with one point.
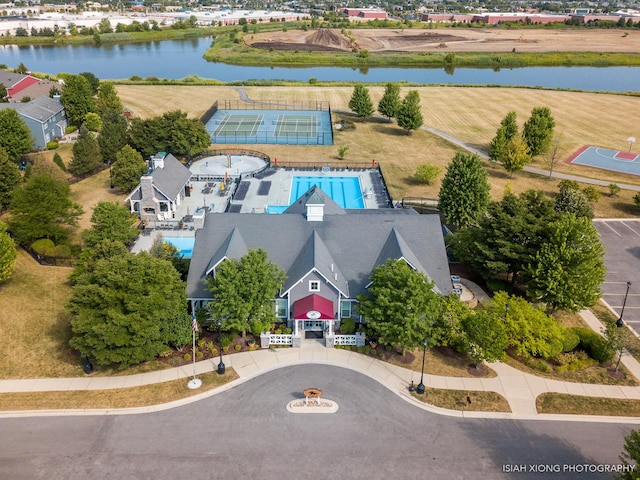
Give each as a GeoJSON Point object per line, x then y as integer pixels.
{"type": "Point", "coordinates": [345, 340]}
{"type": "Point", "coordinates": [280, 339]}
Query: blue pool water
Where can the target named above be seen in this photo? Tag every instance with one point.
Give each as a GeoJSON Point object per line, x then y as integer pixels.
{"type": "Point", "coordinates": [183, 244]}
{"type": "Point", "coordinates": [345, 191]}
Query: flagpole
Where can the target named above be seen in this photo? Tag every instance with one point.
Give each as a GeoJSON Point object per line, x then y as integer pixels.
{"type": "Point", "coordinates": [194, 382]}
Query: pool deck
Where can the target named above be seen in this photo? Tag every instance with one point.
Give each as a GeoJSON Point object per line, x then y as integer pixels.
{"type": "Point", "coordinates": [208, 194]}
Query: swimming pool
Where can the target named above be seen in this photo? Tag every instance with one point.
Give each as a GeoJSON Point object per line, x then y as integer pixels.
{"type": "Point", "coordinates": [183, 244]}
{"type": "Point", "coordinates": [345, 191]}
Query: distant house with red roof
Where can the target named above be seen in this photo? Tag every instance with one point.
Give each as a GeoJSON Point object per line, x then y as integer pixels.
{"type": "Point", "coordinates": [19, 86]}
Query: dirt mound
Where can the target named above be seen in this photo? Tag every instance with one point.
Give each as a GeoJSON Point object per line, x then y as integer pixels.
{"type": "Point", "coordinates": [328, 38]}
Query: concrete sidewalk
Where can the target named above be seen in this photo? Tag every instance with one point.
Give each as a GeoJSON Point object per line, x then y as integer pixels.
{"type": "Point", "coordinates": [520, 389]}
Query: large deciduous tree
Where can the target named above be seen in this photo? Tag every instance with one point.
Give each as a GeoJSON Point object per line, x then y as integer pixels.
{"type": "Point", "coordinates": [86, 154]}
{"type": "Point", "coordinates": [113, 221]}
{"type": "Point", "coordinates": [572, 200]}
{"type": "Point", "coordinates": [108, 100]}
{"type": "Point", "coordinates": [486, 336]}
{"type": "Point", "coordinates": [244, 290]}
{"type": "Point", "coordinates": [360, 102]}
{"type": "Point", "coordinates": [506, 237]}
{"type": "Point", "coordinates": [77, 98]}
{"type": "Point", "coordinates": [401, 306]}
{"type": "Point", "coordinates": [390, 102]}
{"type": "Point", "coordinates": [172, 132]}
{"type": "Point", "coordinates": [3, 94]}
{"type": "Point", "coordinates": [464, 194]}
{"type": "Point", "coordinates": [409, 114]}
{"type": "Point", "coordinates": [94, 82]}
{"type": "Point", "coordinates": [538, 130]}
{"type": "Point", "coordinates": [127, 169]}
{"type": "Point", "coordinates": [567, 269]}
{"type": "Point", "coordinates": [128, 309]}
{"type": "Point", "coordinates": [16, 137]}
{"type": "Point", "coordinates": [43, 208]}
{"type": "Point", "coordinates": [8, 254]}
{"type": "Point", "coordinates": [630, 457]}
{"type": "Point", "coordinates": [10, 178]}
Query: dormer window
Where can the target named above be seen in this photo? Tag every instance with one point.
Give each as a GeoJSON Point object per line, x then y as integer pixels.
{"type": "Point", "coordinates": [314, 286]}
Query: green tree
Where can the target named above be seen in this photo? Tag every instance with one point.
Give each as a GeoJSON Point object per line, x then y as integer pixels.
{"type": "Point", "coordinates": [127, 169]}
{"type": "Point", "coordinates": [486, 336]}
{"type": "Point", "coordinates": [86, 154]}
{"type": "Point", "coordinates": [77, 98]}
{"type": "Point", "coordinates": [113, 135]}
{"type": "Point", "coordinates": [506, 237]}
{"type": "Point", "coordinates": [572, 200]}
{"type": "Point", "coordinates": [126, 310]}
{"type": "Point", "coordinates": [16, 137]}
{"type": "Point", "coordinates": [92, 122]}
{"type": "Point", "coordinates": [630, 458]}
{"type": "Point", "coordinates": [538, 130]}
{"type": "Point", "coordinates": [94, 82]}
{"type": "Point", "coordinates": [89, 257]}
{"type": "Point", "coordinates": [10, 178]}
{"type": "Point", "coordinates": [113, 221]}
{"type": "Point", "coordinates": [244, 290]}
{"type": "Point", "coordinates": [108, 100]}
{"type": "Point", "coordinates": [636, 199]}
{"type": "Point", "coordinates": [360, 102]}
{"type": "Point", "coordinates": [22, 69]}
{"type": "Point", "coordinates": [465, 191]}
{"type": "Point", "coordinates": [529, 330]}
{"type": "Point", "coordinates": [616, 338]}
{"type": "Point", "coordinates": [188, 137]}
{"type": "Point", "coordinates": [409, 115]}
{"type": "Point", "coordinates": [516, 155]}
{"type": "Point", "coordinates": [390, 102]}
{"type": "Point", "coordinates": [43, 208]}
{"type": "Point", "coordinates": [508, 129]}
{"type": "Point", "coordinates": [427, 173]}
{"type": "Point", "coordinates": [401, 306]}
{"type": "Point", "coordinates": [167, 251]}
{"type": "Point", "coordinates": [3, 94]}
{"type": "Point", "coordinates": [8, 254]}
{"type": "Point", "coordinates": [568, 268]}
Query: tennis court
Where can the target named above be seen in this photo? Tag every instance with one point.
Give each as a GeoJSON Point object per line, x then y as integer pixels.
{"type": "Point", "coordinates": [606, 159]}
{"type": "Point", "coordinates": [271, 127]}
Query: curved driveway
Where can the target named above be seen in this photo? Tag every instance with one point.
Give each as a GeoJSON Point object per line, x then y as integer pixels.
{"type": "Point", "coordinates": [247, 431]}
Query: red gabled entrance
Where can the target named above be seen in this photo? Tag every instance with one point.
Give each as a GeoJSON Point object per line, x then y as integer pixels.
{"type": "Point", "coordinates": [313, 307]}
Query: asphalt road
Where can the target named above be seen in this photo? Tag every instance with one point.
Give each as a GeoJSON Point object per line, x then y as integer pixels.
{"type": "Point", "coordinates": [248, 432]}
{"type": "Point", "coordinates": [621, 239]}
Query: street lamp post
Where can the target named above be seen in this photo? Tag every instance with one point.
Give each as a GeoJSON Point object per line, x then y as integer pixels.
{"type": "Point", "coordinates": [221, 367]}
{"type": "Point", "coordinates": [420, 389]}
{"type": "Point", "coordinates": [620, 321]}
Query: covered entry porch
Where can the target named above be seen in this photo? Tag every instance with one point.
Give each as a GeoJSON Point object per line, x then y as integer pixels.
{"type": "Point", "coordinates": [313, 317]}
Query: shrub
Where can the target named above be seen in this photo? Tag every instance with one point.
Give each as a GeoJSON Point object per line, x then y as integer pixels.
{"type": "Point", "coordinates": [592, 193]}
{"type": "Point", "coordinates": [52, 145]}
{"type": "Point", "coordinates": [313, 81]}
{"type": "Point", "coordinates": [237, 348]}
{"type": "Point", "coordinates": [594, 345]}
{"type": "Point", "coordinates": [186, 356]}
{"type": "Point", "coordinates": [226, 341]}
{"type": "Point", "coordinates": [427, 173]}
{"type": "Point", "coordinates": [381, 354]}
{"type": "Point", "coordinates": [570, 340]}
{"type": "Point", "coordinates": [135, 78]}
{"type": "Point", "coordinates": [614, 190]}
{"type": "Point", "coordinates": [199, 354]}
{"type": "Point", "coordinates": [342, 151]}
{"type": "Point", "coordinates": [63, 251]}
{"type": "Point", "coordinates": [537, 364]}
{"type": "Point", "coordinates": [44, 246]}
{"type": "Point", "coordinates": [348, 326]}
{"type": "Point", "coordinates": [573, 361]}
{"type": "Point", "coordinates": [214, 351]}
{"type": "Point", "coordinates": [57, 159]}
{"type": "Point", "coordinates": [70, 129]}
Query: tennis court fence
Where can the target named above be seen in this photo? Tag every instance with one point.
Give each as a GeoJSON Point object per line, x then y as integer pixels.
{"type": "Point", "coordinates": [267, 105]}
{"type": "Point", "coordinates": [291, 138]}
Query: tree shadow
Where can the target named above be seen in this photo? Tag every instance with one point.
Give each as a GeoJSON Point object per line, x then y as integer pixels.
{"type": "Point", "coordinates": [540, 449]}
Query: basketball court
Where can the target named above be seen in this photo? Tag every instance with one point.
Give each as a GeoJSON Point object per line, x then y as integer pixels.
{"type": "Point", "coordinates": [606, 159]}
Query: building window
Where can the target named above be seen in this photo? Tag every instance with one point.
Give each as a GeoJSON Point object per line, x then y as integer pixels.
{"type": "Point", "coordinates": [281, 308]}
{"type": "Point", "coordinates": [314, 286]}
{"type": "Point", "coordinates": [345, 309]}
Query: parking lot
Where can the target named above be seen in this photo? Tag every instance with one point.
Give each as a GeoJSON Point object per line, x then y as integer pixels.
{"type": "Point", "coordinates": [621, 239]}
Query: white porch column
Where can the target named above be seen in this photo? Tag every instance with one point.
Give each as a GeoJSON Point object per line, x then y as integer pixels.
{"type": "Point", "coordinates": [330, 327]}
{"type": "Point", "coordinates": [295, 327]}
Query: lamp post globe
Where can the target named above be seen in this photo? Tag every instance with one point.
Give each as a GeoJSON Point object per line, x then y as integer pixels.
{"type": "Point", "coordinates": [221, 367]}
{"type": "Point", "coordinates": [421, 388]}
{"type": "Point", "coordinates": [620, 321]}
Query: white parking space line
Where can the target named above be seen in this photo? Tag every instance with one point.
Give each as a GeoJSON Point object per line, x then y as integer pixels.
{"type": "Point", "coordinates": [606, 224]}
{"type": "Point", "coordinates": [626, 224]}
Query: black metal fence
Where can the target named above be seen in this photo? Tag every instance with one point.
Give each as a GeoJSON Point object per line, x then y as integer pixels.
{"type": "Point", "coordinates": [267, 105]}
{"type": "Point", "coordinates": [269, 138]}
{"type": "Point", "coordinates": [206, 116]}
{"type": "Point", "coordinates": [49, 260]}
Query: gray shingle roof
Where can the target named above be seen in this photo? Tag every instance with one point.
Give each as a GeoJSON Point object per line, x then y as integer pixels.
{"type": "Point", "coordinates": [354, 239]}
{"type": "Point", "coordinates": [171, 179]}
{"type": "Point", "coordinates": [40, 109]}
{"type": "Point", "coordinates": [234, 247]}
{"type": "Point", "coordinates": [9, 79]}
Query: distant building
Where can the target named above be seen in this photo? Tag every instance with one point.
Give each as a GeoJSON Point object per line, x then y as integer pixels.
{"type": "Point", "coordinates": [365, 13]}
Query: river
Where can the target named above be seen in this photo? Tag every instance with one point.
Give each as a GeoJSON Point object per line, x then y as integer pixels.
{"type": "Point", "coordinates": [175, 59]}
